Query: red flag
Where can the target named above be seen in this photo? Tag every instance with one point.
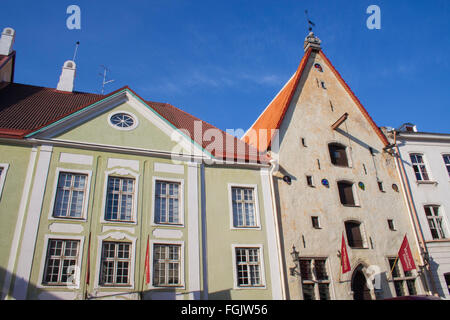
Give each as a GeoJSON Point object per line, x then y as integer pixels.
{"type": "Point", "coordinates": [147, 266]}
{"type": "Point", "coordinates": [406, 257]}
{"type": "Point", "coordinates": [345, 262]}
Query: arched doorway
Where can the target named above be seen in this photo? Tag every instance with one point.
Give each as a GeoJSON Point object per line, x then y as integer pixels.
{"type": "Point", "coordinates": [359, 285]}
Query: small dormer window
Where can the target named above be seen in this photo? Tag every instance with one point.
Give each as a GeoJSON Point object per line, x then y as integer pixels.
{"type": "Point", "coordinates": [122, 121]}
{"type": "Point", "coordinates": [318, 67]}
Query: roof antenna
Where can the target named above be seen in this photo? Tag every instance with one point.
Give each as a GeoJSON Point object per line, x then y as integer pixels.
{"type": "Point", "coordinates": [76, 49]}
{"type": "Point", "coordinates": [105, 70]}
{"type": "Point", "coordinates": [310, 23]}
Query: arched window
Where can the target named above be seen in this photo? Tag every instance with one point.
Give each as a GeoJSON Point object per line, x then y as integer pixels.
{"type": "Point", "coordinates": [346, 194]}
{"type": "Point", "coordinates": [338, 154]}
{"type": "Point", "coordinates": [354, 234]}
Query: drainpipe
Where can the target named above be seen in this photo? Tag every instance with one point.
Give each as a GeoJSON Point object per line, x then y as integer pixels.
{"type": "Point", "coordinates": [277, 230]}
{"type": "Point", "coordinates": [413, 212]}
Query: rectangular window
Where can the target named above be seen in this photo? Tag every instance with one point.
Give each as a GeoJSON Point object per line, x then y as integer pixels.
{"type": "Point", "coordinates": [119, 199]}
{"type": "Point", "coordinates": [447, 162]}
{"type": "Point", "coordinates": [167, 202]}
{"type": "Point", "coordinates": [419, 167]}
{"type": "Point", "coordinates": [70, 195]}
{"type": "Point", "coordinates": [248, 267]}
{"type": "Point", "coordinates": [380, 186]}
{"type": "Point", "coordinates": [434, 222]}
{"type": "Point", "coordinates": [315, 279]}
{"type": "Point", "coordinates": [404, 282]}
{"type": "Point", "coordinates": [309, 181]}
{"type": "Point", "coordinates": [244, 211]}
{"type": "Point", "coordinates": [346, 193]}
{"type": "Point", "coordinates": [60, 262]}
{"type": "Point", "coordinates": [116, 263]}
{"type": "Point", "coordinates": [166, 265]}
{"type": "Point", "coordinates": [315, 222]}
{"type": "Point", "coordinates": [391, 224]}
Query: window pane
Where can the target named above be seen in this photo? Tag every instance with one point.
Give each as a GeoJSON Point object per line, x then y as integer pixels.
{"type": "Point", "coordinates": [324, 291]}
{"type": "Point", "coordinates": [243, 204]}
{"type": "Point", "coordinates": [308, 292]}
{"type": "Point", "coordinates": [119, 201]}
{"type": "Point", "coordinates": [167, 202]}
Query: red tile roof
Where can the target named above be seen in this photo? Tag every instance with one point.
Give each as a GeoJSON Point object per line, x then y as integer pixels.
{"type": "Point", "coordinates": [25, 109]}
{"type": "Point", "coordinates": [273, 115]}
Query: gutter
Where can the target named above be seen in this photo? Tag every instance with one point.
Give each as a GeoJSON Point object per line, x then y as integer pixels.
{"type": "Point", "coordinates": [277, 230]}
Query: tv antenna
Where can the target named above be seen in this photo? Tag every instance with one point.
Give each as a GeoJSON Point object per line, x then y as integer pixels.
{"type": "Point", "coordinates": [76, 50]}
{"type": "Point", "coordinates": [104, 82]}
{"type": "Point", "coordinates": [310, 23]}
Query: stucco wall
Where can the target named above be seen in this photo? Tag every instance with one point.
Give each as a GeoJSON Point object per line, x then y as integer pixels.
{"type": "Point", "coordinates": [310, 116]}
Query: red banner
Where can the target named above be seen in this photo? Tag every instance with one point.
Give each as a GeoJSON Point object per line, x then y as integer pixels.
{"type": "Point", "coordinates": [147, 266]}
{"type": "Point", "coordinates": [406, 257]}
{"type": "Point", "coordinates": [345, 262]}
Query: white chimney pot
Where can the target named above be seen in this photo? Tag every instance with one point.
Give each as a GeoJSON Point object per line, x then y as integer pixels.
{"type": "Point", "coordinates": [67, 77]}
{"type": "Point", "coordinates": [7, 41]}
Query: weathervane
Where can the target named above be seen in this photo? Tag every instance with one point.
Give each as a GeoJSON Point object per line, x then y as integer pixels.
{"type": "Point", "coordinates": [310, 23]}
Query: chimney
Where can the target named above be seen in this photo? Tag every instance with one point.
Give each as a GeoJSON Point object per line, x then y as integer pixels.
{"type": "Point", "coordinates": [311, 41]}
{"type": "Point", "coordinates": [67, 76]}
{"type": "Point", "coordinates": [7, 41]}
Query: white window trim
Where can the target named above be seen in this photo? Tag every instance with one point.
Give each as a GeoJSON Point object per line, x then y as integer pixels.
{"type": "Point", "coordinates": [427, 167]}
{"type": "Point", "coordinates": [115, 237]}
{"type": "Point", "coordinates": [44, 256]}
{"type": "Point", "coordinates": [121, 173]}
{"type": "Point", "coordinates": [181, 209]}
{"type": "Point", "coordinates": [86, 195]}
{"type": "Point", "coordinates": [5, 167]}
{"type": "Point", "coordinates": [262, 286]}
{"type": "Point", "coordinates": [443, 217]}
{"type": "Point", "coordinates": [230, 204]}
{"type": "Point", "coordinates": [443, 161]}
{"type": "Point", "coordinates": [134, 126]}
{"type": "Point", "coordinates": [182, 284]}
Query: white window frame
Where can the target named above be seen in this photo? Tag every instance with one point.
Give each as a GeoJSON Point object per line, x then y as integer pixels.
{"type": "Point", "coordinates": [317, 282]}
{"type": "Point", "coordinates": [121, 173]}
{"type": "Point", "coordinates": [115, 237]}
{"type": "Point", "coordinates": [134, 126]}
{"type": "Point", "coordinates": [260, 247]}
{"type": "Point", "coordinates": [230, 204]}
{"type": "Point", "coordinates": [181, 209]}
{"type": "Point", "coordinates": [79, 265]}
{"type": "Point", "coordinates": [182, 284]}
{"type": "Point", "coordinates": [442, 216]}
{"type": "Point", "coordinates": [86, 195]}
{"type": "Point", "coordinates": [447, 166]}
{"type": "Point", "coordinates": [5, 167]}
{"type": "Point", "coordinates": [427, 168]}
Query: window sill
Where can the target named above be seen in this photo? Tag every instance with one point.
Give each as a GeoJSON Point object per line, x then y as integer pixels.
{"type": "Point", "coordinates": [351, 205]}
{"type": "Point", "coordinates": [246, 228]}
{"type": "Point", "coordinates": [419, 182]}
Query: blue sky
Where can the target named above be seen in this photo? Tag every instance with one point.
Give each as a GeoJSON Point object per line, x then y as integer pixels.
{"type": "Point", "coordinates": [224, 61]}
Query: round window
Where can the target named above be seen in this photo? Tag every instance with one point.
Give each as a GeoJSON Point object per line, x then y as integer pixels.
{"type": "Point", "coordinates": [122, 120]}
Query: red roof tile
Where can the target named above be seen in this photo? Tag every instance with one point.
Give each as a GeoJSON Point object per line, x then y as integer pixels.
{"type": "Point", "coordinates": [273, 115]}
{"type": "Point", "coordinates": [25, 109]}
